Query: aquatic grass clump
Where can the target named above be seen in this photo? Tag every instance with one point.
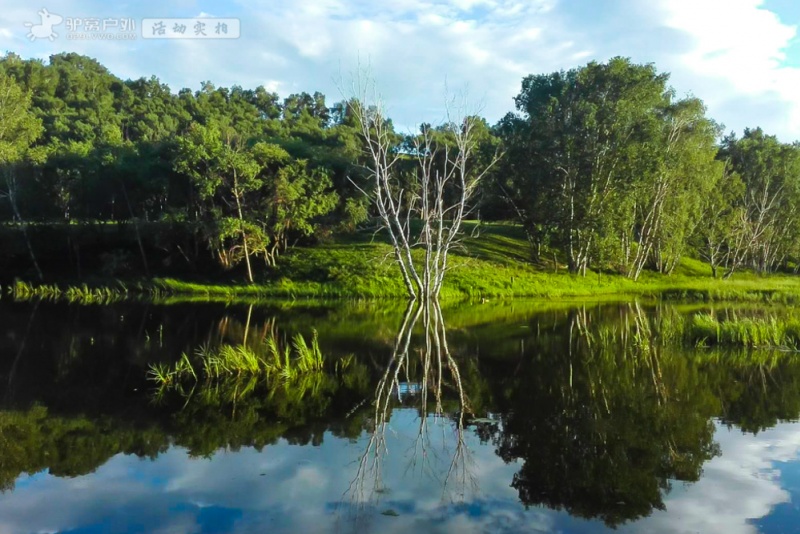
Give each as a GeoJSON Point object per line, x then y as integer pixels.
{"type": "Point", "coordinates": [161, 374]}
{"type": "Point", "coordinates": [309, 358]}
{"type": "Point", "coordinates": [95, 295]}
{"type": "Point", "coordinates": [705, 329]}
{"type": "Point", "coordinates": [83, 294]}
{"type": "Point", "coordinates": [23, 290]}
{"type": "Point", "coordinates": [743, 358]}
{"type": "Point", "coordinates": [165, 375]}
{"type": "Point", "coordinates": [267, 359]}
{"type": "Point", "coordinates": [670, 328]}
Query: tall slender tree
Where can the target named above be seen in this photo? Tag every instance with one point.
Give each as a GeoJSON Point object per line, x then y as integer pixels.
{"type": "Point", "coordinates": [19, 128]}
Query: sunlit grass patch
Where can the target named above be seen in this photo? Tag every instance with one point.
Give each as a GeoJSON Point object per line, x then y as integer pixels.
{"type": "Point", "coordinates": [266, 359]}
{"type": "Point", "coordinates": [751, 332]}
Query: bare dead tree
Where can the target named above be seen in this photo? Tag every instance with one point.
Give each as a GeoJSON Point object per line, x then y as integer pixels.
{"type": "Point", "coordinates": [437, 200]}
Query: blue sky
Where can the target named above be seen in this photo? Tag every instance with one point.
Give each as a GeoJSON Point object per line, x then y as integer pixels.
{"type": "Point", "coordinates": [742, 57]}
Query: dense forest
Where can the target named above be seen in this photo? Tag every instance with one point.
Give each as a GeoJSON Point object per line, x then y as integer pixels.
{"type": "Point", "coordinates": [604, 167]}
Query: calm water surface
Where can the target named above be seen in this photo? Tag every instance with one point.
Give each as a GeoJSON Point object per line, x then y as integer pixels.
{"type": "Point", "coordinates": [476, 418]}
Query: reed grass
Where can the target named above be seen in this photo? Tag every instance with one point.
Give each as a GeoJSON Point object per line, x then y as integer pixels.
{"type": "Point", "coordinates": [267, 359]}
{"type": "Point", "coordinates": [671, 328]}
{"type": "Point", "coordinates": [82, 294]}
{"type": "Point", "coordinates": [751, 332]}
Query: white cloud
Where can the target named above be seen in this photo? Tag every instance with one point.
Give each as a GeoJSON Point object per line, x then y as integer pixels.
{"type": "Point", "coordinates": [273, 86]}
{"type": "Point", "coordinates": [740, 47]}
{"type": "Point", "coordinates": [735, 488]}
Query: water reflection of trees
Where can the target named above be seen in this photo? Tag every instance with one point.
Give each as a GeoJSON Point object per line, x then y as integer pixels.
{"type": "Point", "coordinates": [602, 408]}
{"type": "Point", "coordinates": [607, 411]}
{"type": "Point", "coordinates": [603, 419]}
{"type": "Point", "coordinates": [423, 375]}
{"type": "Point", "coordinates": [90, 400]}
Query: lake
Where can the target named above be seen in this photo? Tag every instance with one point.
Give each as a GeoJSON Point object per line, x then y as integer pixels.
{"type": "Point", "coordinates": [495, 417]}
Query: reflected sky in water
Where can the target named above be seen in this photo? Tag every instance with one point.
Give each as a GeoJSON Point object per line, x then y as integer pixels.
{"type": "Point", "coordinates": [290, 488]}
{"type": "Point", "coordinates": [586, 409]}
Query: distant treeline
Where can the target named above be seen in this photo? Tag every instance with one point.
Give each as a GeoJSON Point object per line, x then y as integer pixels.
{"type": "Point", "coordinates": [603, 166]}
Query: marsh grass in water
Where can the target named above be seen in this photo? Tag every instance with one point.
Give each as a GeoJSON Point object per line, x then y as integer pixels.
{"type": "Point", "coordinates": [752, 332]}
{"type": "Point", "coordinates": [83, 294]}
{"type": "Point", "coordinates": [668, 327]}
{"type": "Point", "coordinates": [267, 359]}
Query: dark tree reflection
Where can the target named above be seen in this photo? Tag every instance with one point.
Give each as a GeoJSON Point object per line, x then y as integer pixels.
{"type": "Point", "coordinates": [604, 420]}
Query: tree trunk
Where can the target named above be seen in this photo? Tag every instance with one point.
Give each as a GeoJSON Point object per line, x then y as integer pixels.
{"type": "Point", "coordinates": [12, 198]}
{"type": "Point", "coordinates": [135, 222]}
{"type": "Point", "coordinates": [237, 195]}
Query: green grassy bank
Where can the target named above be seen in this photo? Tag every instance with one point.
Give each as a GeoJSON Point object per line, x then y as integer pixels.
{"type": "Point", "coordinates": [494, 264]}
